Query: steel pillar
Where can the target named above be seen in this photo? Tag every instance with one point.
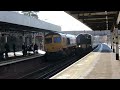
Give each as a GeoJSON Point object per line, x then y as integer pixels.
{"type": "Point", "coordinates": [117, 43]}
{"type": "Point", "coordinates": [113, 40]}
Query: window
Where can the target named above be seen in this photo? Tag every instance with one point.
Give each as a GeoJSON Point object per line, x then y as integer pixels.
{"type": "Point", "coordinates": [68, 41]}
{"type": "Point", "coordinates": [48, 40]}
{"type": "Point", "coordinates": [63, 39]}
{"type": "Point", "coordinates": [57, 39]}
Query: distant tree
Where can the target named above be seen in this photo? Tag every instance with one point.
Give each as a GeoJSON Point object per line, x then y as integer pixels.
{"type": "Point", "coordinates": [31, 13]}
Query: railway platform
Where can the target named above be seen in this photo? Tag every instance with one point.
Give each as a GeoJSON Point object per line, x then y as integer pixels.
{"type": "Point", "coordinates": [19, 57]}
{"type": "Point", "coordinates": [99, 64]}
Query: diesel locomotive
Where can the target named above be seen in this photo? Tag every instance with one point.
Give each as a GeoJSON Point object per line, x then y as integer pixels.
{"type": "Point", "coordinates": [60, 44]}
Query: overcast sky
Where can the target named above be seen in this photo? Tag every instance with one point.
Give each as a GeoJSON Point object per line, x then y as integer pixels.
{"type": "Point", "coordinates": [67, 22]}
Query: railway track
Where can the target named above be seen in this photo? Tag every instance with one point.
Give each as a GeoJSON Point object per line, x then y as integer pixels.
{"type": "Point", "coordinates": [48, 71]}
{"type": "Point", "coordinates": [15, 70]}
{"type": "Point", "coordinates": [53, 68]}
{"type": "Point", "coordinates": [38, 68]}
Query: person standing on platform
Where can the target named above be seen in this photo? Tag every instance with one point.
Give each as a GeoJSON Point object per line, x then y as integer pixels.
{"type": "Point", "coordinates": [35, 48]}
{"type": "Point", "coordinates": [23, 49]}
{"type": "Point", "coordinates": [2, 51]}
{"type": "Point", "coordinates": [7, 49]}
{"type": "Point", "coordinates": [1, 54]}
{"type": "Point", "coordinates": [14, 49]}
{"type": "Point", "coordinates": [26, 49]}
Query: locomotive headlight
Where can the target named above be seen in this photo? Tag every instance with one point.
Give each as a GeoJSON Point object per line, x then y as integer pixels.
{"type": "Point", "coordinates": [79, 46]}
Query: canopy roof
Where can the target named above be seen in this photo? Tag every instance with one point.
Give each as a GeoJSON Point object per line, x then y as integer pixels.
{"type": "Point", "coordinates": [96, 20]}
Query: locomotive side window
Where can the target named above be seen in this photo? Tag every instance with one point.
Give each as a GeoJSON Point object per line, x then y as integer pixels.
{"type": "Point", "coordinates": [48, 40]}
{"type": "Point", "coordinates": [57, 39]}
{"type": "Point", "coordinates": [68, 41]}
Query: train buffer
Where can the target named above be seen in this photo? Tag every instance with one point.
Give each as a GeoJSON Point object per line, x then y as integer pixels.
{"type": "Point", "coordinates": [99, 64]}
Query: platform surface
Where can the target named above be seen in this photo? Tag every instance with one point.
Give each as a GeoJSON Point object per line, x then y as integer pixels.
{"type": "Point", "coordinates": [99, 64]}
{"type": "Point", "coordinates": [20, 58]}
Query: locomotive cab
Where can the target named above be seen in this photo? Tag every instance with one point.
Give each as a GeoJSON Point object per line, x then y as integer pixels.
{"type": "Point", "coordinates": [84, 41]}
{"type": "Point", "coordinates": [59, 44]}
{"type": "Point", "coordinates": [53, 43]}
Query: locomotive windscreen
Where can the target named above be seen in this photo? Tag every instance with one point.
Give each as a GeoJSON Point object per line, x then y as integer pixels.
{"type": "Point", "coordinates": [81, 39]}
{"type": "Point", "coordinates": [57, 39]}
{"type": "Point", "coordinates": [88, 39]}
{"type": "Point", "coordinates": [48, 40]}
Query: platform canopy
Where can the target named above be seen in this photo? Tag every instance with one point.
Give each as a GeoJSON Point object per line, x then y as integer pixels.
{"type": "Point", "coordinates": [96, 20]}
{"type": "Point", "coordinates": [13, 20]}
